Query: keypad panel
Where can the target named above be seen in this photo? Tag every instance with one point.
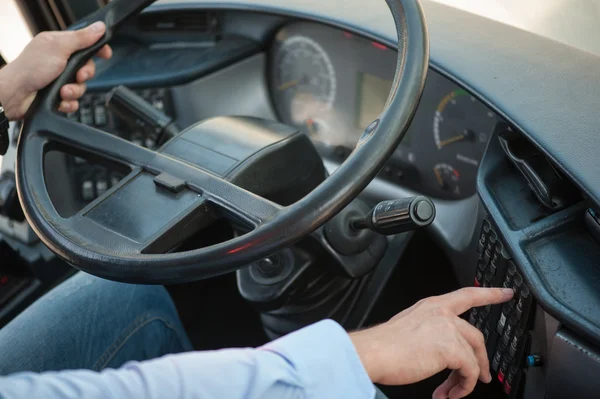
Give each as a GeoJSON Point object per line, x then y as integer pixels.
{"type": "Point", "coordinates": [506, 328]}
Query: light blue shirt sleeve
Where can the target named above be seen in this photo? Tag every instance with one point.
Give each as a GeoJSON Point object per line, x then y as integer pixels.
{"type": "Point", "coordinates": [316, 362]}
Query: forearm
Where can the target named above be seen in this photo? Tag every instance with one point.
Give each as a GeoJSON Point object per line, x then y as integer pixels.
{"type": "Point", "coordinates": [319, 361]}
{"type": "Point", "coordinates": [229, 373]}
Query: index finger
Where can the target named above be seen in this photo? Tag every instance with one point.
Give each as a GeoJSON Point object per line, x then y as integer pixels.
{"type": "Point", "coordinates": [466, 298]}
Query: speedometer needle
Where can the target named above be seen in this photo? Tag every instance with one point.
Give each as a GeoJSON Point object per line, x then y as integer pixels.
{"type": "Point", "coordinates": [289, 85]}
{"type": "Point", "coordinates": [451, 140]}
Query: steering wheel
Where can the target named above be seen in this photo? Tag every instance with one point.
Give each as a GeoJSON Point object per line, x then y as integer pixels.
{"type": "Point", "coordinates": [118, 251]}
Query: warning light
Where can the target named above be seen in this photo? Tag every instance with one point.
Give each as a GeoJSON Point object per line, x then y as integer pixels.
{"type": "Point", "coordinates": [379, 46]}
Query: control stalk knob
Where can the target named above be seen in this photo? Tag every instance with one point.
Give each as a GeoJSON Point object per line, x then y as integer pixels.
{"type": "Point", "coordinates": [398, 216]}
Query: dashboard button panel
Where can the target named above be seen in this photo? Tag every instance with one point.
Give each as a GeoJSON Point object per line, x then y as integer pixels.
{"type": "Point", "coordinates": [506, 327]}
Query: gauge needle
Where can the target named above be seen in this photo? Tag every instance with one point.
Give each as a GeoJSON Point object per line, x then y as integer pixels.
{"type": "Point", "coordinates": [452, 140]}
{"type": "Point", "coordinates": [289, 85]}
{"type": "Point", "coordinates": [438, 175]}
{"type": "Point", "coordinates": [311, 126]}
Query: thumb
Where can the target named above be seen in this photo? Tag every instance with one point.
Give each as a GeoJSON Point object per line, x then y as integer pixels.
{"type": "Point", "coordinates": [84, 38]}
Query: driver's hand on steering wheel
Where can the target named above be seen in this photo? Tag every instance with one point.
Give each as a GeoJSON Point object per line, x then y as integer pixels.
{"type": "Point", "coordinates": [41, 62]}
{"type": "Point", "coordinates": [428, 338]}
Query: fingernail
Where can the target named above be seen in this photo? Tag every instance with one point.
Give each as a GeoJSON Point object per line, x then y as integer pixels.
{"type": "Point", "coordinates": [86, 75]}
{"type": "Point", "coordinates": [65, 107]}
{"type": "Point", "coordinates": [508, 291]}
{"type": "Point", "coordinates": [97, 27]}
{"type": "Point", "coordinates": [69, 93]}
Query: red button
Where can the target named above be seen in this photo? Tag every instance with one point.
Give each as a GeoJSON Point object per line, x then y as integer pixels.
{"type": "Point", "coordinates": [477, 284]}
{"type": "Point", "coordinates": [501, 377]}
{"type": "Point", "coordinates": [4, 280]}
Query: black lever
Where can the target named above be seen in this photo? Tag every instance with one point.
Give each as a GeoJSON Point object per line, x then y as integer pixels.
{"type": "Point", "coordinates": [398, 216]}
{"type": "Point", "coordinates": [139, 113]}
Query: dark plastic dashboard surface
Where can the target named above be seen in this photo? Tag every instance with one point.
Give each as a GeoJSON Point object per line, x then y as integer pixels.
{"type": "Point", "coordinates": [503, 79]}
{"type": "Point", "coordinates": [144, 65]}
{"type": "Point", "coordinates": [554, 251]}
{"type": "Point", "coordinates": [548, 90]}
{"type": "Point", "coordinates": [329, 83]}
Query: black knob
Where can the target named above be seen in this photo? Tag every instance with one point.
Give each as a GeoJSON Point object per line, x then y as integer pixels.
{"type": "Point", "coordinates": [398, 216]}
{"type": "Point", "coordinates": [9, 200]}
{"type": "Point", "coordinates": [424, 210]}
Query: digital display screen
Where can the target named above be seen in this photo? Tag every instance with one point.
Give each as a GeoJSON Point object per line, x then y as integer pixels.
{"type": "Point", "coordinates": [373, 93]}
{"type": "Point", "coordinates": [372, 96]}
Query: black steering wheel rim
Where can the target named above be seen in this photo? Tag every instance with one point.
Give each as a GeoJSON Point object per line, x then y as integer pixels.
{"type": "Point", "coordinates": [275, 227]}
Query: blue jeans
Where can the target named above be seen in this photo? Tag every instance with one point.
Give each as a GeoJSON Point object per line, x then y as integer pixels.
{"type": "Point", "coordinates": [90, 323]}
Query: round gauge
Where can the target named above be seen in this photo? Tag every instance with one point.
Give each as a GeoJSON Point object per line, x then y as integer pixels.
{"type": "Point", "coordinates": [463, 124]}
{"type": "Point", "coordinates": [304, 83]}
{"type": "Point", "coordinates": [448, 178]}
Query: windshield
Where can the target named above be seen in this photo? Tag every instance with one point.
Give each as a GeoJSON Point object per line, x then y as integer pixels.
{"type": "Point", "coordinates": [574, 22]}
{"type": "Point", "coordinates": [14, 32]}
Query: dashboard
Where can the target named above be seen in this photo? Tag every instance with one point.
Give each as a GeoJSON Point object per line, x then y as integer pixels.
{"type": "Point", "coordinates": [332, 84]}
{"type": "Point", "coordinates": [329, 74]}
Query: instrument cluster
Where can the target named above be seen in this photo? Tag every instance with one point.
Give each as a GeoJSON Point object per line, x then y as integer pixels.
{"type": "Point", "coordinates": [332, 84]}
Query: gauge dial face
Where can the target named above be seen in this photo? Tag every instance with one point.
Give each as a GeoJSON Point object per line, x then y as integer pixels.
{"type": "Point", "coordinates": [304, 83]}
{"type": "Point", "coordinates": [461, 125]}
{"type": "Point", "coordinates": [448, 178]}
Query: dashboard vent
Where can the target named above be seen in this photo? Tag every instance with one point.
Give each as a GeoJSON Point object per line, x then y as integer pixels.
{"type": "Point", "coordinates": [179, 21]}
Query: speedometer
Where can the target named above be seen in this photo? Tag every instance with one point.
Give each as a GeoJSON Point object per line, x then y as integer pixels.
{"type": "Point", "coordinates": [304, 83]}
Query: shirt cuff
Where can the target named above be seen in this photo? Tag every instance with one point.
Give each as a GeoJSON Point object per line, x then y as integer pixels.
{"type": "Point", "coordinates": [326, 361]}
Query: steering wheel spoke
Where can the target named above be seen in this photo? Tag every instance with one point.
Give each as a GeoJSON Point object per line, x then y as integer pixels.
{"type": "Point", "coordinates": [82, 139]}
{"type": "Point", "coordinates": [231, 201]}
{"type": "Point", "coordinates": [154, 214]}
{"type": "Point", "coordinates": [139, 217]}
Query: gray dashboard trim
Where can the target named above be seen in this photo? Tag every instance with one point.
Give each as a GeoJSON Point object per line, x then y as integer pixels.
{"type": "Point", "coordinates": [573, 368]}
{"type": "Point", "coordinates": [546, 89]}
{"type": "Point", "coordinates": [246, 93]}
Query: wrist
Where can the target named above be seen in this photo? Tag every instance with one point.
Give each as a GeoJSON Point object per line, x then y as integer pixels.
{"type": "Point", "coordinates": [366, 344]}
{"type": "Point", "coordinates": [9, 93]}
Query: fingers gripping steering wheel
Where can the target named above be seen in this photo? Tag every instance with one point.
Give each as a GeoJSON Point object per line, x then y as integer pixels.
{"type": "Point", "coordinates": [118, 251]}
